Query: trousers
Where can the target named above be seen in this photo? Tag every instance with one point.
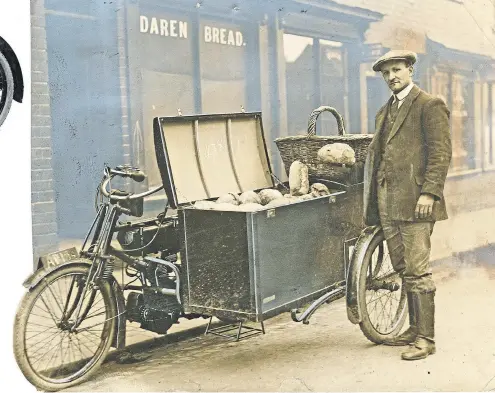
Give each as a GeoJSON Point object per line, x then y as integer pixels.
{"type": "Point", "coordinates": [409, 246]}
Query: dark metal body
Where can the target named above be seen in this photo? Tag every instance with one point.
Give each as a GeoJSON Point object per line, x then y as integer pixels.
{"type": "Point", "coordinates": [253, 266]}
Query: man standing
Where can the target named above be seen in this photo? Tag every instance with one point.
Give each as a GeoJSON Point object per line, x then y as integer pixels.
{"type": "Point", "coordinates": [405, 173]}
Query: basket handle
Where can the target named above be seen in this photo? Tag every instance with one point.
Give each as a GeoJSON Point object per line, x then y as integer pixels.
{"type": "Point", "coordinates": [314, 116]}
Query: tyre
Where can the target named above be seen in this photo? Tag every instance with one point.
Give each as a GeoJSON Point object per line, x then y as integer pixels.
{"type": "Point", "coordinates": [51, 350]}
{"type": "Point", "coordinates": [6, 88]}
{"type": "Point", "coordinates": [381, 296]}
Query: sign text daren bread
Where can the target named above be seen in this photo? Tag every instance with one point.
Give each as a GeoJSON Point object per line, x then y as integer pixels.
{"type": "Point", "coordinates": [179, 29]}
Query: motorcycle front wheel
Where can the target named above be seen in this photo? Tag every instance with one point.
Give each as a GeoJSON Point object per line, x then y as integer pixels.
{"type": "Point", "coordinates": [52, 349]}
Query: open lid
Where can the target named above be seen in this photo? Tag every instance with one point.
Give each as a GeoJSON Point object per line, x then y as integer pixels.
{"type": "Point", "coordinates": [206, 156]}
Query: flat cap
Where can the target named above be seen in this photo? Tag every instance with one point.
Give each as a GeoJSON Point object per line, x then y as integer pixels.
{"type": "Point", "coordinates": [395, 55]}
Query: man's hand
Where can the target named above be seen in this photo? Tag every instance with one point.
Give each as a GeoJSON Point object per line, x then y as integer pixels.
{"type": "Point", "coordinates": [424, 207]}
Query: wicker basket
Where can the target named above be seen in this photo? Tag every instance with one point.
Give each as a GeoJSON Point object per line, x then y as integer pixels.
{"type": "Point", "coordinates": [305, 148]}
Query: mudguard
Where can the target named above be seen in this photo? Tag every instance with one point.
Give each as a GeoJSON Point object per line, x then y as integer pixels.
{"type": "Point", "coordinates": [354, 313]}
{"type": "Point", "coordinates": [11, 57]}
{"type": "Point", "coordinates": [37, 277]}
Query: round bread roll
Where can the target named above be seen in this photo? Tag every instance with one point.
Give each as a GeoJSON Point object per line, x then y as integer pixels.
{"type": "Point", "coordinates": [337, 153]}
{"type": "Point", "coordinates": [204, 205]}
{"type": "Point", "coordinates": [249, 207]}
{"type": "Point", "coordinates": [318, 189]}
{"type": "Point", "coordinates": [305, 197]}
{"type": "Point", "coordinates": [268, 194]}
{"type": "Point", "coordinates": [229, 198]}
{"type": "Point", "coordinates": [249, 197]}
{"type": "Point", "coordinates": [298, 178]}
{"type": "Point", "coordinates": [291, 198]}
{"type": "Point", "coordinates": [226, 207]}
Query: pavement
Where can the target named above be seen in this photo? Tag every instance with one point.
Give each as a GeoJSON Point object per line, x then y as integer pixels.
{"type": "Point", "coordinates": [329, 354]}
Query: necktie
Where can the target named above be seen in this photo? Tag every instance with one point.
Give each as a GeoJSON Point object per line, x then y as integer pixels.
{"type": "Point", "coordinates": [394, 108]}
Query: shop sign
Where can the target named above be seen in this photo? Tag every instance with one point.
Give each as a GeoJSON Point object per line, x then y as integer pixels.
{"type": "Point", "coordinates": [179, 29]}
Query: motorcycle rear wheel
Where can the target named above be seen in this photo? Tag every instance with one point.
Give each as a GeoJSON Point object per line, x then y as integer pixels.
{"type": "Point", "coordinates": [42, 334]}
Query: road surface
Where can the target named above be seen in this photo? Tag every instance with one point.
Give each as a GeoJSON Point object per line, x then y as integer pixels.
{"type": "Point", "coordinates": [329, 354]}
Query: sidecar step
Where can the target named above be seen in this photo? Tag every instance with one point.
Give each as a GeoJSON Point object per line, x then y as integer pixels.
{"type": "Point", "coordinates": [249, 331]}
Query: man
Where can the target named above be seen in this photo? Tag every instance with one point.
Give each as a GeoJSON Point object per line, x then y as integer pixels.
{"type": "Point", "coordinates": [405, 173]}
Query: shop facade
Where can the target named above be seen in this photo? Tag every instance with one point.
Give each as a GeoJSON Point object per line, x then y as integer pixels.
{"type": "Point", "coordinates": [137, 59]}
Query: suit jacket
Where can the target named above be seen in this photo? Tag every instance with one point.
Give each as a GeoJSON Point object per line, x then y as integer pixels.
{"type": "Point", "coordinates": [417, 158]}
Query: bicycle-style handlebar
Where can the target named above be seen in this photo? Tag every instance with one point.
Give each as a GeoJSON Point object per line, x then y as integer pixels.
{"type": "Point", "coordinates": [124, 171]}
{"type": "Point", "coordinates": [134, 173]}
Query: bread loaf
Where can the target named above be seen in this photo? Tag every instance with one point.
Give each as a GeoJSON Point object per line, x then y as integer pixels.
{"type": "Point", "coordinates": [268, 194]}
{"type": "Point", "coordinates": [305, 197]}
{"type": "Point", "coordinates": [318, 189]}
{"type": "Point", "coordinates": [204, 205]}
{"type": "Point", "coordinates": [279, 202]}
{"type": "Point", "coordinates": [249, 197]}
{"type": "Point", "coordinates": [337, 153]}
{"type": "Point", "coordinates": [229, 198]}
{"type": "Point", "coordinates": [298, 178]}
{"type": "Point", "coordinates": [225, 207]}
{"type": "Point", "coordinates": [249, 207]}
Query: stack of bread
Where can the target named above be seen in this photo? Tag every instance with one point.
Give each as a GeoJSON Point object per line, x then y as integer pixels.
{"type": "Point", "coordinates": [249, 201]}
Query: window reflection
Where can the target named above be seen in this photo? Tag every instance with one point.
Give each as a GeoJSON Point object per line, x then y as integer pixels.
{"type": "Point", "coordinates": [300, 81]}
{"type": "Point", "coordinates": [457, 91]}
{"type": "Point", "coordinates": [315, 75]}
{"type": "Point", "coordinates": [223, 69]}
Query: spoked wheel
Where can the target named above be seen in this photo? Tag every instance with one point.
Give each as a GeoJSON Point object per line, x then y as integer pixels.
{"type": "Point", "coordinates": [382, 298]}
{"type": "Point", "coordinates": [6, 88]}
{"type": "Point", "coordinates": [52, 349]}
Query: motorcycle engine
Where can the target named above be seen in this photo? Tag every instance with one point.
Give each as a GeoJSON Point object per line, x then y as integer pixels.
{"type": "Point", "coordinates": [154, 311]}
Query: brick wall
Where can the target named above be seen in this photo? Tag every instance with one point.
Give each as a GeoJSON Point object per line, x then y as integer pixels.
{"type": "Point", "coordinates": [124, 91]}
{"type": "Point", "coordinates": [42, 192]}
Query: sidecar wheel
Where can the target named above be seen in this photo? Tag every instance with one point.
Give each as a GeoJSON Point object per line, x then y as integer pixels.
{"type": "Point", "coordinates": [384, 310]}
{"type": "Point", "coordinates": [50, 353]}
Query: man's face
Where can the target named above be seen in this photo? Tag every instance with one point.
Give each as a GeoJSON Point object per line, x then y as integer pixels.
{"type": "Point", "coordinates": [397, 74]}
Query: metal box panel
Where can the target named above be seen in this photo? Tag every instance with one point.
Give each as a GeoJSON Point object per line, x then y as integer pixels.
{"type": "Point", "coordinates": [219, 278]}
{"type": "Point", "coordinates": [298, 254]}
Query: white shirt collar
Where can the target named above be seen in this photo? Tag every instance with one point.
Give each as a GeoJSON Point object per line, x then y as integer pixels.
{"type": "Point", "coordinates": [403, 93]}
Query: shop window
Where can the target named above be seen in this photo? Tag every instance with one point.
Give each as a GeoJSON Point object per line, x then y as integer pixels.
{"type": "Point", "coordinates": [463, 134]}
{"type": "Point", "coordinates": [488, 109]}
{"type": "Point", "coordinates": [458, 93]}
{"type": "Point", "coordinates": [300, 74]}
{"type": "Point", "coordinates": [315, 75]}
{"type": "Point", "coordinates": [491, 123]}
{"type": "Point", "coordinates": [224, 59]}
{"type": "Point", "coordinates": [332, 84]}
{"type": "Point", "coordinates": [167, 80]}
{"type": "Point", "coordinates": [440, 86]}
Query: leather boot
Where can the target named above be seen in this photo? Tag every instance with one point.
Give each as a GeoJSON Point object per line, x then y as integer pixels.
{"type": "Point", "coordinates": [409, 335]}
{"type": "Point", "coordinates": [424, 345]}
